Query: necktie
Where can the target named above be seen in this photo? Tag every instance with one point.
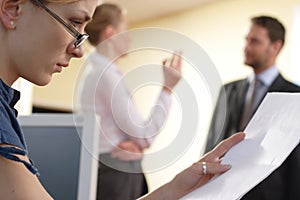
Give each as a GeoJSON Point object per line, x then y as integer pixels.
{"type": "Point", "coordinates": [253, 97]}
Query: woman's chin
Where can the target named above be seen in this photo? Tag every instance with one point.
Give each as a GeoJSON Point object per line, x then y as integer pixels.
{"type": "Point", "coordinates": [42, 82]}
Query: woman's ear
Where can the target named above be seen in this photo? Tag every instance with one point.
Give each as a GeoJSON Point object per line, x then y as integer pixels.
{"type": "Point", "coordinates": [109, 31]}
{"type": "Point", "coordinates": [9, 12]}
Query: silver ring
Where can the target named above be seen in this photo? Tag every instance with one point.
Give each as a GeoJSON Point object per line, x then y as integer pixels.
{"type": "Point", "coordinates": [204, 168]}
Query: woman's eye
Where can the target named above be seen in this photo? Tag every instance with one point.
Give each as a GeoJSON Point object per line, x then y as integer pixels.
{"type": "Point", "coordinates": [76, 22]}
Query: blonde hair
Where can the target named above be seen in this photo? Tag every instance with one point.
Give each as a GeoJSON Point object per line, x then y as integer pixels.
{"type": "Point", "coordinates": [104, 15]}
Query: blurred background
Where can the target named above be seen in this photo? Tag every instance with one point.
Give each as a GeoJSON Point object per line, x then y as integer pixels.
{"type": "Point", "coordinates": [218, 26]}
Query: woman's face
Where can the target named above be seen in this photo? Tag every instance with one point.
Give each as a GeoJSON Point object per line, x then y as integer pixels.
{"type": "Point", "coordinates": [41, 46]}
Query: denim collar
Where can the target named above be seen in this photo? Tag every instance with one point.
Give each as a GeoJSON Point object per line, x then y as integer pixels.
{"type": "Point", "coordinates": [9, 94]}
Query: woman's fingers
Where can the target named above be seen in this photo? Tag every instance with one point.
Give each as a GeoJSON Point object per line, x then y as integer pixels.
{"type": "Point", "coordinates": [206, 168]}
{"type": "Point", "coordinates": [223, 147]}
{"type": "Point", "coordinates": [176, 61]}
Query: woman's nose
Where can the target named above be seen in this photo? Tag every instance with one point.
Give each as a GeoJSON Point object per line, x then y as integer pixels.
{"type": "Point", "coordinates": [76, 52]}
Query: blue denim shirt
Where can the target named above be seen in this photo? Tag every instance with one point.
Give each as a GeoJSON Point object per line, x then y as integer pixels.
{"type": "Point", "coordinates": [10, 131]}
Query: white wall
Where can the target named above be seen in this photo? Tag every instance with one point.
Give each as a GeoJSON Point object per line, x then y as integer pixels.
{"type": "Point", "coordinates": [295, 47]}
{"type": "Point", "coordinates": [24, 106]}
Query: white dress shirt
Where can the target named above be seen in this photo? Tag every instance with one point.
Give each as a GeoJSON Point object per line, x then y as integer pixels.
{"type": "Point", "coordinates": [267, 77]}
{"type": "Point", "coordinates": [101, 91]}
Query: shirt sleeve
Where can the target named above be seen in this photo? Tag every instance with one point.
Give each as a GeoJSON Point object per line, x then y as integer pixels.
{"type": "Point", "coordinates": [130, 121]}
{"type": "Point", "coordinates": [11, 152]}
{"type": "Point", "coordinates": [11, 137]}
{"type": "Point", "coordinates": [106, 94]}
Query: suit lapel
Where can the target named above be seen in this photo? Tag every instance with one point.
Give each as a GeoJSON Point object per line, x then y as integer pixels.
{"type": "Point", "coordinates": [241, 94]}
{"type": "Point", "coordinates": [274, 87]}
{"type": "Point", "coordinates": [277, 84]}
{"type": "Point", "coordinates": [241, 91]}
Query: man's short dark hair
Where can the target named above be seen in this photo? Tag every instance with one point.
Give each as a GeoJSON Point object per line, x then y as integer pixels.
{"type": "Point", "coordinates": [276, 30]}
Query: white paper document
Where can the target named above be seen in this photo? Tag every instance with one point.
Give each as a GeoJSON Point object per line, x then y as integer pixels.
{"type": "Point", "coordinates": [271, 135]}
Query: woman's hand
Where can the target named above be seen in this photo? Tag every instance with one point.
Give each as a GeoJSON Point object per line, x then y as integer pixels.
{"type": "Point", "coordinates": [172, 71]}
{"type": "Point", "coordinates": [194, 176]}
{"type": "Point", "coordinates": [198, 174]}
{"type": "Point", "coordinates": [127, 150]}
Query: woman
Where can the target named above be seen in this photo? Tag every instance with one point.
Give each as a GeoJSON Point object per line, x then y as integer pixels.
{"type": "Point", "coordinates": [50, 31]}
{"type": "Point", "coordinates": [124, 133]}
{"type": "Point", "coordinates": [38, 38]}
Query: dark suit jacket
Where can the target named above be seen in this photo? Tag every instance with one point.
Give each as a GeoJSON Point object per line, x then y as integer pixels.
{"type": "Point", "coordinates": [283, 183]}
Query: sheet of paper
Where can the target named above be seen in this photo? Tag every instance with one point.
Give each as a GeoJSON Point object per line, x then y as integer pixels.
{"type": "Point", "coordinates": [271, 135]}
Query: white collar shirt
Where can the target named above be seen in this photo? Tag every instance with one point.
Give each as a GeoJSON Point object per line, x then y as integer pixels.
{"type": "Point", "coordinates": [102, 91]}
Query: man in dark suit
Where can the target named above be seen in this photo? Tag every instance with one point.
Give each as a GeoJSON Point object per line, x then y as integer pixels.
{"type": "Point", "coordinates": [232, 113]}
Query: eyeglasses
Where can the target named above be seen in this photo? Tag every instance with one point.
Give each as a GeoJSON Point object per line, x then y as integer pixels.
{"type": "Point", "coordinates": [80, 38]}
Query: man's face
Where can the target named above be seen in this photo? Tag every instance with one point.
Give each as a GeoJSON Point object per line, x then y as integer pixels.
{"type": "Point", "coordinates": [258, 49]}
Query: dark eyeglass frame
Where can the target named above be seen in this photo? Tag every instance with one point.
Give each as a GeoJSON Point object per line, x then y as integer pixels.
{"type": "Point", "coordinates": [80, 38]}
